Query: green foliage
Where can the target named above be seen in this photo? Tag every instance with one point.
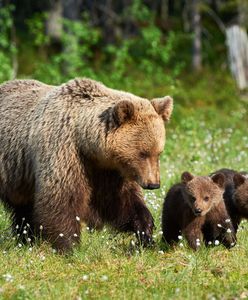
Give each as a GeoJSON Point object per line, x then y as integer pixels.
{"type": "Point", "coordinates": [76, 57]}
{"type": "Point", "coordinates": [149, 53]}
{"type": "Point", "coordinates": [7, 48]}
{"type": "Point", "coordinates": [37, 29]}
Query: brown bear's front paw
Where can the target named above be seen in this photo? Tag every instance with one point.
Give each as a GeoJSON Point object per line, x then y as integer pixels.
{"type": "Point", "coordinates": [143, 227]}
{"type": "Point", "coordinates": [144, 238]}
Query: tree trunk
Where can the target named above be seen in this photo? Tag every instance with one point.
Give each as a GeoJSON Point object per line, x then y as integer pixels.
{"type": "Point", "coordinates": [237, 43]}
{"type": "Point", "coordinates": [54, 25]}
{"type": "Point", "coordinates": [71, 9]}
{"type": "Point", "coordinates": [196, 27]}
{"type": "Point", "coordinates": [164, 11]}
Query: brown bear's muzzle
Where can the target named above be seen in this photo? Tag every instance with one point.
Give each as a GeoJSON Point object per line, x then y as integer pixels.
{"type": "Point", "coordinates": [151, 186]}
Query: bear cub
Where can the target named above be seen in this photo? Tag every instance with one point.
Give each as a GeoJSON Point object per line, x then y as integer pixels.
{"type": "Point", "coordinates": [235, 195]}
{"type": "Point", "coordinates": [195, 209]}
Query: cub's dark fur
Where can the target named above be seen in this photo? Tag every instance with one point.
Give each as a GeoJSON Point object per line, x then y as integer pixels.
{"type": "Point", "coordinates": [235, 195]}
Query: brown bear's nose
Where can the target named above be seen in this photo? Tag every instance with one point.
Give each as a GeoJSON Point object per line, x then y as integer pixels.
{"type": "Point", "coordinates": [198, 211]}
{"type": "Point", "coordinates": [152, 186]}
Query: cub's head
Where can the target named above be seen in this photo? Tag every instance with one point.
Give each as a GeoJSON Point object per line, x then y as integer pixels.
{"type": "Point", "coordinates": [136, 138]}
{"type": "Point", "coordinates": [202, 193]}
{"type": "Point", "coordinates": [241, 192]}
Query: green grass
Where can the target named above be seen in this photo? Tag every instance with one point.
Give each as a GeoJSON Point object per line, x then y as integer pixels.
{"type": "Point", "coordinates": [201, 138]}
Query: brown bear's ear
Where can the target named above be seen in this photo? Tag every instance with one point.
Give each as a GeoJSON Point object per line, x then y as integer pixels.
{"type": "Point", "coordinates": [219, 179]}
{"type": "Point", "coordinates": [163, 107]}
{"type": "Point", "coordinates": [238, 179]}
{"type": "Point", "coordinates": [123, 111]}
{"type": "Point", "coordinates": [186, 177]}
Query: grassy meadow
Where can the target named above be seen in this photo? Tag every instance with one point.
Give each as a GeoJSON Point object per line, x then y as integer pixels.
{"type": "Point", "coordinates": [208, 131]}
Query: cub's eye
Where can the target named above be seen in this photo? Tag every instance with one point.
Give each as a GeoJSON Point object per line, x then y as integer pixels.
{"type": "Point", "coordinates": [143, 154]}
{"type": "Point", "coordinates": [206, 198]}
{"type": "Point", "coordinates": [193, 198]}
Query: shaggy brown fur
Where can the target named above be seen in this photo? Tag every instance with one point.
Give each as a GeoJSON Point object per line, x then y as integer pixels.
{"type": "Point", "coordinates": [236, 195]}
{"type": "Point", "coordinates": [78, 152]}
{"type": "Point", "coordinates": [193, 208]}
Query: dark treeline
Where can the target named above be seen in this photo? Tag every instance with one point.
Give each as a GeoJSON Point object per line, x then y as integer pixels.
{"type": "Point", "coordinates": [131, 29]}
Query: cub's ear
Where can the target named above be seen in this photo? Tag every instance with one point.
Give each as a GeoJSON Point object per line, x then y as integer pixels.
{"type": "Point", "coordinates": [123, 111]}
{"type": "Point", "coordinates": [219, 179]}
{"type": "Point", "coordinates": [238, 179]}
{"type": "Point", "coordinates": [186, 177]}
{"type": "Point", "coordinates": [163, 107]}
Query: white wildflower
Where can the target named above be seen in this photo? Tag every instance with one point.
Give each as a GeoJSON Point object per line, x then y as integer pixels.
{"type": "Point", "coordinates": [104, 278]}
{"type": "Point", "coordinates": [21, 287]}
{"type": "Point", "coordinates": [8, 277]}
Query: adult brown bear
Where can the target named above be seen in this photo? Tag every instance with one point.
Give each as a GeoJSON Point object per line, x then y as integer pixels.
{"type": "Point", "coordinates": [78, 152]}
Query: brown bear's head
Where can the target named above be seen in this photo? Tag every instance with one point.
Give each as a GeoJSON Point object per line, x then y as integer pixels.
{"type": "Point", "coordinates": [202, 193]}
{"type": "Point", "coordinates": [241, 192]}
{"type": "Point", "coordinates": [137, 138]}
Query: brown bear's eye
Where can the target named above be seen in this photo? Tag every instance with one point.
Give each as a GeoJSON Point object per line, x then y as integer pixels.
{"type": "Point", "coordinates": [143, 154]}
{"type": "Point", "coordinates": [206, 198]}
